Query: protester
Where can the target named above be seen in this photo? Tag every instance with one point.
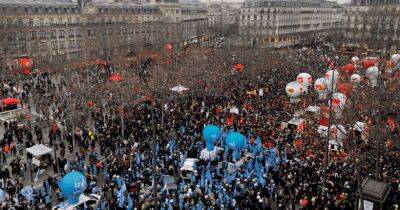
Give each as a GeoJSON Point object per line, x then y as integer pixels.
{"type": "Point", "coordinates": [122, 157]}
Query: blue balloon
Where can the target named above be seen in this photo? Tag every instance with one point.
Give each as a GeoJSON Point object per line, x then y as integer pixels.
{"type": "Point", "coordinates": [235, 141]}
{"type": "Point", "coordinates": [72, 185]}
{"type": "Point", "coordinates": [211, 134]}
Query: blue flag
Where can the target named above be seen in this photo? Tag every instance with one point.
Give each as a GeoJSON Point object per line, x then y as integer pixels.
{"type": "Point", "coordinates": [130, 202]}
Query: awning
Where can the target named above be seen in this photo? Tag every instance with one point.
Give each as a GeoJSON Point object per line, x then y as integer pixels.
{"type": "Point", "coordinates": [179, 89]}
{"type": "Point", "coordinates": [39, 150]}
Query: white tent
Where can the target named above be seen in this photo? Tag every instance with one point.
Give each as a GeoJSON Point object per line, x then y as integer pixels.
{"type": "Point", "coordinates": [234, 110]}
{"type": "Point", "coordinates": [39, 150]}
{"type": "Point", "coordinates": [179, 89]}
{"type": "Point", "coordinates": [313, 109]}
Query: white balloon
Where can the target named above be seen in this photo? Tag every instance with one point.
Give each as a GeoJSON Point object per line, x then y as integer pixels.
{"type": "Point", "coordinates": [372, 72]}
{"type": "Point", "coordinates": [293, 89]}
{"type": "Point", "coordinates": [320, 85]}
{"type": "Point", "coordinates": [395, 58]}
{"type": "Point", "coordinates": [338, 101]}
{"type": "Point", "coordinates": [332, 75]}
{"type": "Point", "coordinates": [304, 79]}
{"type": "Point", "coordinates": [355, 59]}
{"type": "Point", "coordinates": [355, 78]}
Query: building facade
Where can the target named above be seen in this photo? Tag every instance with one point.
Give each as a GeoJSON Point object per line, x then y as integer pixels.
{"type": "Point", "coordinates": [375, 23]}
{"type": "Point", "coordinates": [49, 32]}
{"type": "Point", "coordinates": [270, 23]}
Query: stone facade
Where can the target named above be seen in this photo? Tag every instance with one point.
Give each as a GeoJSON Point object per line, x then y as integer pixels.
{"type": "Point", "coordinates": [269, 23]}
{"type": "Point", "coordinates": [373, 23]}
{"type": "Point", "coordinates": [72, 31]}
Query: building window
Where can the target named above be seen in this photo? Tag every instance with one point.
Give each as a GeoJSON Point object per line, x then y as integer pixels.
{"type": "Point", "coordinates": [33, 35]}
{"type": "Point", "coordinates": [41, 22]}
{"type": "Point", "coordinates": [19, 21]}
{"type": "Point", "coordinates": [69, 21]}
{"type": "Point", "coordinates": [60, 21]}
{"type": "Point", "coordinates": [43, 46]}
{"type": "Point", "coordinates": [78, 33]}
{"type": "Point", "coordinates": [42, 34]}
{"type": "Point", "coordinates": [30, 22]}
{"type": "Point", "coordinates": [53, 34]}
{"type": "Point", "coordinates": [51, 21]}
{"type": "Point", "coordinates": [61, 34]}
{"type": "Point", "coordinates": [71, 33]}
{"type": "Point", "coordinates": [12, 36]}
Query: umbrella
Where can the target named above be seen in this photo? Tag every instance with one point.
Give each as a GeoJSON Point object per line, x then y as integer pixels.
{"type": "Point", "coordinates": [179, 89]}
{"type": "Point", "coordinates": [10, 101]}
{"type": "Point", "coordinates": [115, 77]}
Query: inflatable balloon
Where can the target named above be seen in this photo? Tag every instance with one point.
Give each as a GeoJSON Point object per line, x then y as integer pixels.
{"type": "Point", "coordinates": [355, 78]}
{"type": "Point", "coordinates": [293, 90]}
{"type": "Point", "coordinates": [338, 101]}
{"type": "Point", "coordinates": [349, 68]}
{"type": "Point", "coordinates": [366, 63]}
{"type": "Point", "coordinates": [168, 47]}
{"type": "Point", "coordinates": [320, 85]}
{"type": "Point", "coordinates": [238, 67]}
{"type": "Point", "coordinates": [355, 59]}
{"type": "Point", "coordinates": [25, 63]}
{"type": "Point", "coordinates": [345, 88]}
{"type": "Point", "coordinates": [372, 72]}
{"type": "Point", "coordinates": [211, 134]}
{"type": "Point", "coordinates": [395, 58]}
{"type": "Point", "coordinates": [237, 142]}
{"type": "Point", "coordinates": [72, 185]}
{"type": "Point", "coordinates": [337, 132]}
{"type": "Point", "coordinates": [332, 75]}
{"type": "Point", "coordinates": [304, 79]}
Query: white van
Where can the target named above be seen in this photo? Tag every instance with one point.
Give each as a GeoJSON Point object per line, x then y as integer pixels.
{"type": "Point", "coordinates": [90, 201]}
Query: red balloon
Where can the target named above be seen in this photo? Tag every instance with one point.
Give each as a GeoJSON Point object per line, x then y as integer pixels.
{"type": "Point", "coordinates": [345, 88]}
{"type": "Point", "coordinates": [366, 63]}
{"type": "Point", "coordinates": [25, 63]}
{"type": "Point", "coordinates": [168, 46]}
{"type": "Point", "coordinates": [26, 71]}
{"type": "Point", "coordinates": [115, 78]}
{"type": "Point", "coordinates": [238, 67]}
{"type": "Point", "coordinates": [349, 68]}
{"type": "Point", "coordinates": [89, 104]}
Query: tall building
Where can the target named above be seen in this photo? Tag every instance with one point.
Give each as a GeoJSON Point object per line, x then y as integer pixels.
{"type": "Point", "coordinates": [375, 23]}
{"type": "Point", "coordinates": [71, 31]}
{"type": "Point", "coordinates": [273, 23]}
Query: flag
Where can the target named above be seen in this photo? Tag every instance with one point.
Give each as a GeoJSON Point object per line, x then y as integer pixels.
{"type": "Point", "coordinates": [137, 158]}
{"type": "Point", "coordinates": [130, 202]}
{"type": "Point", "coordinates": [229, 120]}
{"type": "Point", "coordinates": [27, 192]}
{"type": "Point", "coordinates": [391, 123]}
{"type": "Point", "coordinates": [37, 175]}
{"type": "Point", "coordinates": [202, 181]}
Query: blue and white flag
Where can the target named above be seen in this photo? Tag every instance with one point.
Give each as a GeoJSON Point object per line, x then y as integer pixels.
{"type": "Point", "coordinates": [37, 176]}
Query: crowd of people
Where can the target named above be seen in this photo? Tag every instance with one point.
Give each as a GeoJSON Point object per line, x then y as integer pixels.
{"type": "Point", "coordinates": [124, 150]}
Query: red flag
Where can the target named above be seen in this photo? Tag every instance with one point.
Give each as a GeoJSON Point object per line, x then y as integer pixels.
{"type": "Point", "coordinates": [391, 123]}
{"type": "Point", "coordinates": [229, 120]}
{"type": "Point", "coordinates": [298, 144]}
{"type": "Point", "coordinates": [54, 128]}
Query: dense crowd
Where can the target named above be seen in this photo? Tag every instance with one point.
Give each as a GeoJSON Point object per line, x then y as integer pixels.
{"type": "Point", "coordinates": [121, 157]}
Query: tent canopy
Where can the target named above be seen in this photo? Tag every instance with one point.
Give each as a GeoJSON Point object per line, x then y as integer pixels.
{"type": "Point", "coordinates": [296, 121]}
{"type": "Point", "coordinates": [39, 150]}
{"type": "Point", "coordinates": [179, 89]}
